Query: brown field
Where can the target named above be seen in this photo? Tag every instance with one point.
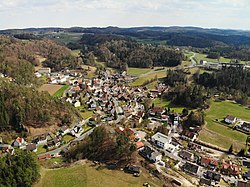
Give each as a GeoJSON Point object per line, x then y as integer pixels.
{"type": "Point", "coordinates": [51, 88]}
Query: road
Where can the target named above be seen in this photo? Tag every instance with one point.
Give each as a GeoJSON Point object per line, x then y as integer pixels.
{"type": "Point", "coordinates": [59, 149]}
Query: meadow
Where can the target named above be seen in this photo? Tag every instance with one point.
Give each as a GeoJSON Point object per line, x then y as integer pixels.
{"type": "Point", "coordinates": [219, 133]}
{"type": "Point", "coordinates": [138, 71]}
{"type": "Point", "coordinates": [85, 175]}
{"type": "Point", "coordinates": [163, 103]}
{"type": "Point", "coordinates": [59, 93]}
{"type": "Point", "coordinates": [51, 88]}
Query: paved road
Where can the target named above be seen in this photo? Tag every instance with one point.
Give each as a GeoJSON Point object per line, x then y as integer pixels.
{"type": "Point", "coordinates": [59, 149]}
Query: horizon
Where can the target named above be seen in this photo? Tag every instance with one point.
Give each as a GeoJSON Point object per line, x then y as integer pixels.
{"type": "Point", "coordinates": [123, 27]}
{"type": "Point", "coordinates": [218, 14]}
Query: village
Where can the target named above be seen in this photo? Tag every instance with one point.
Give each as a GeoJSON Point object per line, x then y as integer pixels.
{"type": "Point", "coordinates": [116, 104]}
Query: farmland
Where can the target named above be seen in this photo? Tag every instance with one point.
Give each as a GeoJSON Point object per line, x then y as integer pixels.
{"type": "Point", "coordinates": [150, 76]}
{"type": "Point", "coordinates": [138, 71]}
{"type": "Point", "coordinates": [59, 93]}
{"type": "Point", "coordinates": [89, 175]}
{"type": "Point", "coordinates": [220, 134]}
{"type": "Point", "coordinates": [162, 103]}
{"type": "Point", "coordinates": [51, 88]}
{"type": "Point", "coordinates": [199, 57]}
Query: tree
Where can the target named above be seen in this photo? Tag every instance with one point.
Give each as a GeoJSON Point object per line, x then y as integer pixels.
{"type": "Point", "coordinates": [230, 150]}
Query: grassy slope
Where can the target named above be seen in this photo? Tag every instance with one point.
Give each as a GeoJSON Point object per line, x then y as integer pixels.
{"type": "Point", "coordinates": [219, 134]}
{"type": "Point", "coordinates": [138, 71]}
{"type": "Point", "coordinates": [142, 79]}
{"type": "Point", "coordinates": [59, 93]}
{"type": "Point", "coordinates": [89, 176]}
{"type": "Point", "coordinates": [161, 103]}
{"type": "Point", "coordinates": [199, 57]}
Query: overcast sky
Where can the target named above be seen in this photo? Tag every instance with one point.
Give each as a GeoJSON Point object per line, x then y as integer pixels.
{"type": "Point", "coordinates": [229, 14]}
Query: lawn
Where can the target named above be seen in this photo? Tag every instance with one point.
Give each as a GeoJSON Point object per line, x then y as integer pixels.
{"type": "Point", "coordinates": [162, 103]}
{"type": "Point", "coordinates": [138, 71]}
{"type": "Point", "coordinates": [87, 114]}
{"type": "Point", "coordinates": [51, 88]}
{"type": "Point", "coordinates": [59, 93]}
{"type": "Point", "coordinates": [220, 134]}
{"type": "Point", "coordinates": [91, 176]}
{"type": "Point", "coordinates": [67, 138]}
{"type": "Point", "coordinates": [40, 149]}
{"type": "Point", "coordinates": [141, 80]}
{"type": "Point", "coordinates": [199, 57]}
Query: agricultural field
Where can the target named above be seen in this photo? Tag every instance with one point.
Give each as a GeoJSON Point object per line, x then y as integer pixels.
{"type": "Point", "coordinates": [94, 176]}
{"type": "Point", "coordinates": [162, 103]}
{"type": "Point", "coordinates": [142, 79]}
{"type": "Point", "coordinates": [60, 92]}
{"type": "Point", "coordinates": [138, 71]}
{"type": "Point", "coordinates": [51, 88]}
{"type": "Point", "coordinates": [199, 56]}
{"type": "Point", "coordinates": [65, 38]}
{"type": "Point", "coordinates": [217, 132]}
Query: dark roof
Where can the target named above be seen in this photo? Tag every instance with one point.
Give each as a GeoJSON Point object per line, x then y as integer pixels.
{"type": "Point", "coordinates": [243, 184]}
{"type": "Point", "coordinates": [185, 154]}
{"type": "Point", "coordinates": [191, 168]}
{"type": "Point", "coordinates": [230, 117]}
{"type": "Point", "coordinates": [205, 181]}
{"type": "Point", "coordinates": [31, 147]}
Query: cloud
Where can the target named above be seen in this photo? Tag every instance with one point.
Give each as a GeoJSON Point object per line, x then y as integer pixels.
{"type": "Point", "coordinates": [212, 13]}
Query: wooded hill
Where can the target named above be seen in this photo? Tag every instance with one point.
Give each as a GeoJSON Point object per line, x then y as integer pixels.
{"type": "Point", "coordinates": [22, 106]}
{"type": "Point", "coordinates": [18, 58]}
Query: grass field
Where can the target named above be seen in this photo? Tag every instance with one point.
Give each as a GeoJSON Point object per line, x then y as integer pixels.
{"type": "Point", "coordinates": [59, 93]}
{"type": "Point", "coordinates": [68, 138]}
{"type": "Point", "coordinates": [219, 133]}
{"type": "Point", "coordinates": [138, 71]}
{"type": "Point", "coordinates": [199, 57]}
{"type": "Point", "coordinates": [51, 88]}
{"type": "Point", "coordinates": [87, 114]}
{"type": "Point", "coordinates": [141, 80]}
{"type": "Point", "coordinates": [65, 38]}
{"type": "Point", "coordinates": [161, 103]}
{"type": "Point", "coordinates": [91, 176]}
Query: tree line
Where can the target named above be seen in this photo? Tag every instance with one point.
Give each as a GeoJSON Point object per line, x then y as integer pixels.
{"type": "Point", "coordinates": [22, 107]}
{"type": "Point", "coordinates": [18, 170]}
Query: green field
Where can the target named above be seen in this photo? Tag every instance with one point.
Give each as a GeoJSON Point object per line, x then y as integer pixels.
{"type": "Point", "coordinates": [162, 103]}
{"type": "Point", "coordinates": [59, 93]}
{"type": "Point", "coordinates": [65, 38]}
{"type": "Point", "coordinates": [199, 57]}
{"type": "Point", "coordinates": [91, 176]}
{"type": "Point", "coordinates": [141, 80]}
{"type": "Point", "coordinates": [138, 71]}
{"type": "Point", "coordinates": [87, 114]}
{"type": "Point", "coordinates": [220, 134]}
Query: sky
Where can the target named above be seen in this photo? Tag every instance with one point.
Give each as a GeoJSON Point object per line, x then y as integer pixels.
{"type": "Point", "coordinates": [227, 14]}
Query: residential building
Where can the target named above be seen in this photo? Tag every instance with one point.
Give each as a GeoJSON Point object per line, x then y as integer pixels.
{"type": "Point", "coordinates": [161, 140]}
{"type": "Point", "coordinates": [230, 119]}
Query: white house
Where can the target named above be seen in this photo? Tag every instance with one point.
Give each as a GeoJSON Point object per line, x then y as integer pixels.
{"type": "Point", "coordinates": [156, 156]}
{"type": "Point", "coordinates": [44, 70]}
{"type": "Point", "coordinates": [230, 119]}
{"type": "Point", "coordinates": [161, 140]}
{"type": "Point", "coordinates": [77, 104]}
{"type": "Point", "coordinates": [19, 142]}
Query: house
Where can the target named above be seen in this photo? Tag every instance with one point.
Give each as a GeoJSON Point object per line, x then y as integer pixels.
{"type": "Point", "coordinates": [151, 154]}
{"type": "Point", "coordinates": [246, 175]}
{"type": "Point", "coordinates": [213, 176]}
{"type": "Point", "coordinates": [188, 135]}
{"type": "Point", "coordinates": [230, 119]}
{"type": "Point", "coordinates": [45, 157]}
{"type": "Point", "coordinates": [19, 142]}
{"type": "Point", "coordinates": [55, 142]}
{"type": "Point", "coordinates": [161, 140]}
{"type": "Point", "coordinates": [31, 147]}
{"type": "Point", "coordinates": [244, 127]}
{"type": "Point", "coordinates": [229, 168]}
{"type": "Point", "coordinates": [243, 184]}
{"type": "Point", "coordinates": [77, 104]}
{"type": "Point", "coordinates": [77, 131]}
{"type": "Point", "coordinates": [132, 169]}
{"type": "Point", "coordinates": [40, 139]}
{"type": "Point", "coordinates": [157, 111]}
{"type": "Point", "coordinates": [139, 145]}
{"type": "Point", "coordinates": [205, 182]}
{"type": "Point", "coordinates": [44, 70]}
{"type": "Point", "coordinates": [190, 168]}
{"type": "Point", "coordinates": [209, 163]}
{"type": "Point", "coordinates": [194, 146]}
{"type": "Point", "coordinates": [6, 149]}
{"type": "Point", "coordinates": [64, 130]}
{"type": "Point", "coordinates": [186, 155]}
{"type": "Point", "coordinates": [171, 147]}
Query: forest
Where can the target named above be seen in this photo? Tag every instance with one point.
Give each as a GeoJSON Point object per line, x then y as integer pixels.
{"type": "Point", "coordinates": [19, 170]}
{"type": "Point", "coordinates": [22, 106]}
{"type": "Point", "coordinates": [18, 58]}
{"type": "Point", "coordinates": [104, 145]}
{"type": "Point", "coordinates": [118, 52]}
